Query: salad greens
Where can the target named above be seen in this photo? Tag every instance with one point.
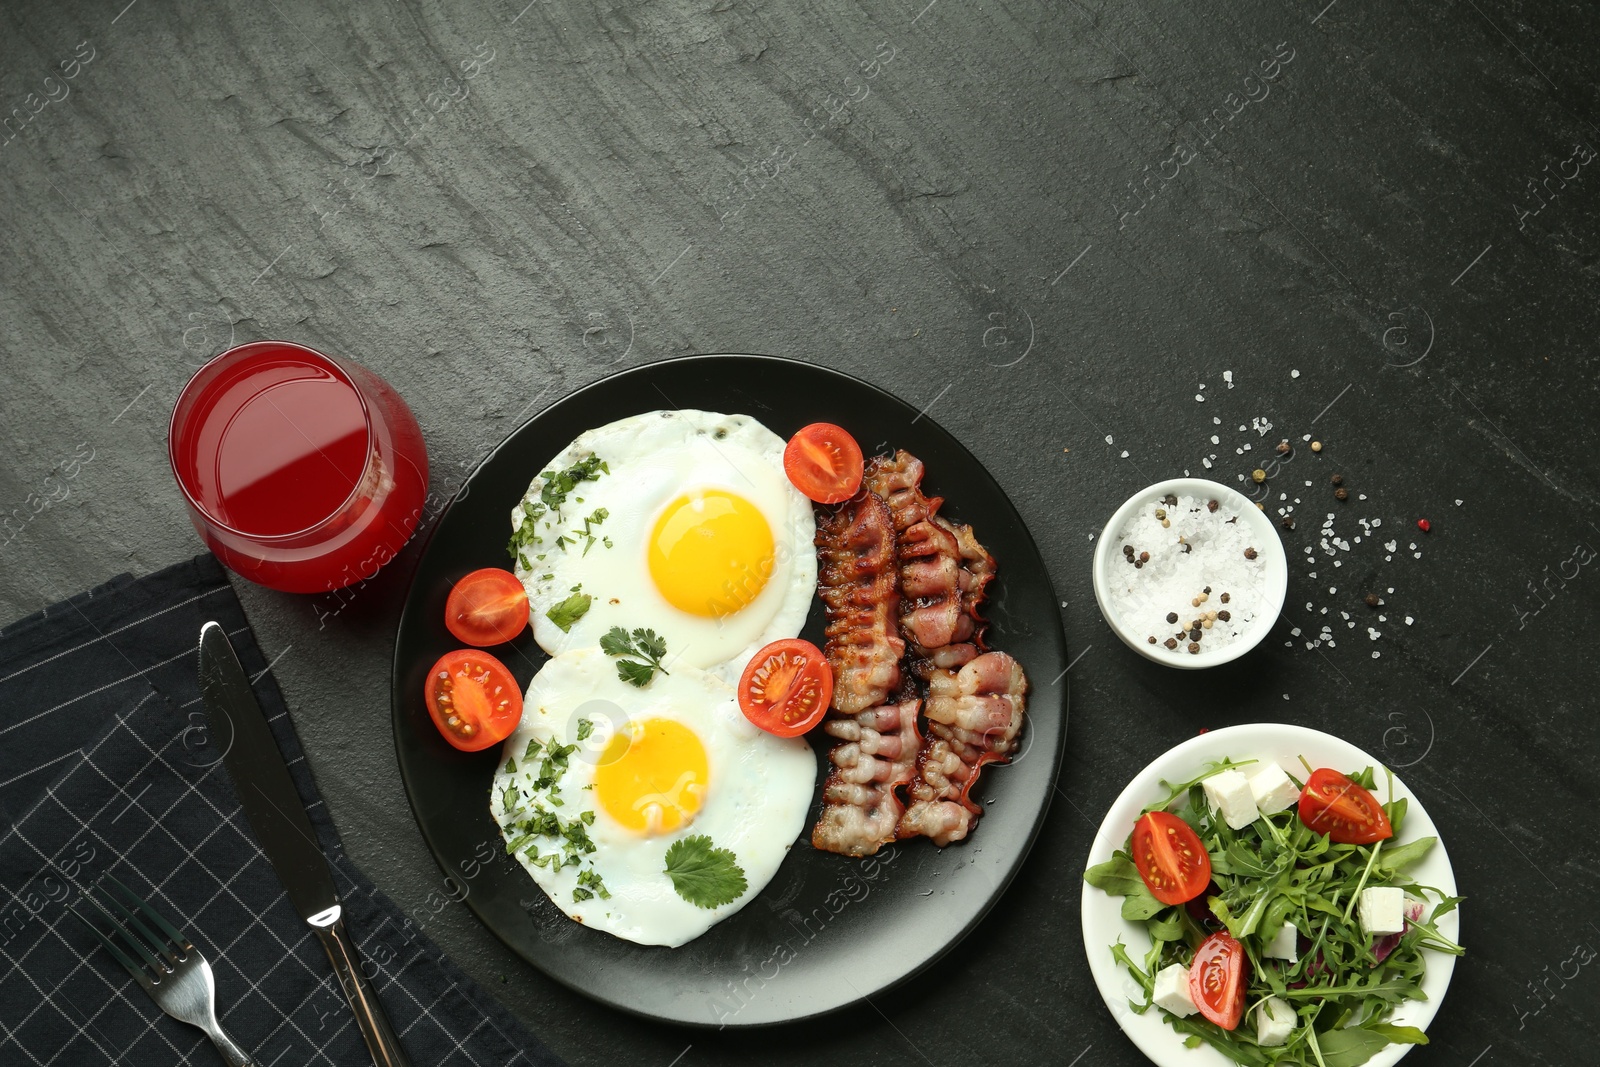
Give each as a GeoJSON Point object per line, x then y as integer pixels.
{"type": "Point", "coordinates": [1345, 983]}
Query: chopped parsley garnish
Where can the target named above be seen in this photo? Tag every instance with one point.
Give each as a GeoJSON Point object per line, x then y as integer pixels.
{"type": "Point", "coordinates": [704, 875]}
{"type": "Point", "coordinates": [570, 611]}
{"type": "Point", "coordinates": [585, 728]}
{"type": "Point", "coordinates": [532, 749]}
{"type": "Point", "coordinates": [591, 885]}
{"type": "Point", "coordinates": [557, 484]}
{"type": "Point", "coordinates": [511, 765]}
{"type": "Point", "coordinates": [640, 654]}
{"type": "Point", "coordinates": [526, 535]}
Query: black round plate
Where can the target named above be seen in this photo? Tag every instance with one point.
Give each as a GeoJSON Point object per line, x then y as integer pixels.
{"type": "Point", "coordinates": [827, 931]}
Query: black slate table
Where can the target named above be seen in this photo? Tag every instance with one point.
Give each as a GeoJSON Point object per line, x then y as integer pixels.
{"type": "Point", "coordinates": [1103, 244]}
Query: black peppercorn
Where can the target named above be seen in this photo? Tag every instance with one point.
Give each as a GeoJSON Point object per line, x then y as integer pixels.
{"type": "Point", "coordinates": [1250, 553]}
{"type": "Point", "coordinates": [1172, 616]}
{"type": "Point", "coordinates": [1224, 615]}
{"type": "Point", "coordinates": [1372, 600]}
{"type": "Point", "coordinates": [1341, 493]}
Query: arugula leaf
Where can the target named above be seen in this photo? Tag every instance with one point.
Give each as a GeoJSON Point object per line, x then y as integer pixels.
{"type": "Point", "coordinates": [704, 875]}
{"type": "Point", "coordinates": [570, 611]}
{"type": "Point", "coordinates": [1349, 1047]}
{"type": "Point", "coordinates": [643, 649]}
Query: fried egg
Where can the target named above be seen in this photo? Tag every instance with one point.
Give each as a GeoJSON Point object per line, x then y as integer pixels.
{"type": "Point", "coordinates": [602, 778]}
{"type": "Point", "coordinates": [682, 522]}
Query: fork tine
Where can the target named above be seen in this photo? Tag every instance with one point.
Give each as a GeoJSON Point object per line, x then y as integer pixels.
{"type": "Point", "coordinates": [143, 938]}
{"type": "Point", "coordinates": [179, 938]}
{"type": "Point", "coordinates": [122, 957]}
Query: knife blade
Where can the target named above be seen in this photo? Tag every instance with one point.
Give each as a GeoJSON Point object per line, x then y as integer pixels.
{"type": "Point", "coordinates": [273, 808]}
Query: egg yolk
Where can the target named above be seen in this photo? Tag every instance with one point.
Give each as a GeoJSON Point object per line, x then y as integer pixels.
{"type": "Point", "coordinates": [652, 776]}
{"type": "Point", "coordinates": [711, 553]}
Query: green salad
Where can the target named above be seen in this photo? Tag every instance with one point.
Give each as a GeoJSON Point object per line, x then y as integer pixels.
{"type": "Point", "coordinates": [1284, 925]}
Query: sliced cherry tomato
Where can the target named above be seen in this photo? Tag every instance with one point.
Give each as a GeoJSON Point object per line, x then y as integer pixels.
{"type": "Point", "coordinates": [1170, 857]}
{"type": "Point", "coordinates": [1217, 979]}
{"type": "Point", "coordinates": [1344, 810]}
{"type": "Point", "coordinates": [487, 607]}
{"type": "Point", "coordinates": [473, 699]}
{"type": "Point", "coordinates": [786, 687]}
{"type": "Point", "coordinates": [824, 462]}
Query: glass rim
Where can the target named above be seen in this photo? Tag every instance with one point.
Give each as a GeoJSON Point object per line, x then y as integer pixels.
{"type": "Point", "coordinates": [215, 365]}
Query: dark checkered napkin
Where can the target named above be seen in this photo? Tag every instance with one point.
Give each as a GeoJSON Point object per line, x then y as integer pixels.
{"type": "Point", "coordinates": [105, 766]}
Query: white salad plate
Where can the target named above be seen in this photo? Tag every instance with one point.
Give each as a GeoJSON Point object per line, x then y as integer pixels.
{"type": "Point", "coordinates": [1103, 923]}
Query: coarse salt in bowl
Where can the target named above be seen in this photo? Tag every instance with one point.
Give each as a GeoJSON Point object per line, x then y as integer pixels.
{"type": "Point", "coordinates": [1156, 559]}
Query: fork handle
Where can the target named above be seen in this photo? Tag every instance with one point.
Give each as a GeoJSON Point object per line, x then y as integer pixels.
{"type": "Point", "coordinates": [231, 1052]}
{"type": "Point", "coordinates": [382, 1041]}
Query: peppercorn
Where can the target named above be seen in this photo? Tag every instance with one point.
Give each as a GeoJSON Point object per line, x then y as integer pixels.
{"type": "Point", "coordinates": [1211, 505]}
{"type": "Point", "coordinates": [1161, 513]}
{"type": "Point", "coordinates": [1338, 479]}
{"type": "Point", "coordinates": [1170, 500]}
{"type": "Point", "coordinates": [1224, 598]}
{"type": "Point", "coordinates": [1194, 649]}
{"type": "Point", "coordinates": [1187, 548]}
{"type": "Point", "coordinates": [1138, 564]}
{"type": "Point", "coordinates": [1205, 624]}
{"type": "Point", "coordinates": [1424, 525]}
{"type": "Point", "coordinates": [1170, 642]}
{"type": "Point", "coordinates": [1195, 634]}
{"type": "Point", "coordinates": [1288, 522]}
{"type": "Point", "coordinates": [1258, 476]}
{"type": "Point", "coordinates": [1373, 600]}
{"type": "Point", "coordinates": [1341, 493]}
{"type": "Point", "coordinates": [1144, 557]}
{"type": "Point", "coordinates": [1224, 615]}
{"type": "Point", "coordinates": [1206, 590]}
{"type": "Point", "coordinates": [1250, 553]}
{"type": "Point", "coordinates": [1283, 448]}
{"type": "Point", "coordinates": [1152, 639]}
{"type": "Point", "coordinates": [1316, 446]}
{"type": "Point", "coordinates": [1166, 524]}
{"type": "Point", "coordinates": [1172, 616]}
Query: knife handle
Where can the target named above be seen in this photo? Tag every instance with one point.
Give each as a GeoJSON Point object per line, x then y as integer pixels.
{"type": "Point", "coordinates": [375, 1027]}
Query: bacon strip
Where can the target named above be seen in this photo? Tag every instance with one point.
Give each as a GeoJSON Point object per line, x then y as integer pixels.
{"type": "Point", "coordinates": [856, 581]}
{"type": "Point", "coordinates": [974, 717]}
{"type": "Point", "coordinates": [926, 548]}
{"type": "Point", "coordinates": [876, 756]}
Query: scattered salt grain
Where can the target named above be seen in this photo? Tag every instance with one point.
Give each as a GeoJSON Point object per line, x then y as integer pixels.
{"type": "Point", "coordinates": [1108, 439]}
{"type": "Point", "coordinates": [1124, 453]}
{"type": "Point", "coordinates": [1409, 620]}
{"type": "Point", "coordinates": [1227, 376]}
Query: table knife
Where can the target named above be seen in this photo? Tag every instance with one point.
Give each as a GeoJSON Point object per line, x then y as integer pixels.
{"type": "Point", "coordinates": [275, 812]}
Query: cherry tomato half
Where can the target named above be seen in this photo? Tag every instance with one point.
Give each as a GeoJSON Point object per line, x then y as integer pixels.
{"type": "Point", "coordinates": [474, 700]}
{"type": "Point", "coordinates": [786, 687]}
{"type": "Point", "coordinates": [1170, 857]}
{"type": "Point", "coordinates": [824, 462]}
{"type": "Point", "coordinates": [1217, 979]}
{"type": "Point", "coordinates": [1334, 805]}
{"type": "Point", "coordinates": [487, 607]}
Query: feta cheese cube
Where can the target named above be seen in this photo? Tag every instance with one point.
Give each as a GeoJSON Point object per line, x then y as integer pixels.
{"type": "Point", "coordinates": [1172, 991]}
{"type": "Point", "coordinates": [1382, 910]}
{"type": "Point", "coordinates": [1284, 945]}
{"type": "Point", "coordinates": [1275, 1021]}
{"type": "Point", "coordinates": [1272, 789]}
{"type": "Point", "coordinates": [1229, 792]}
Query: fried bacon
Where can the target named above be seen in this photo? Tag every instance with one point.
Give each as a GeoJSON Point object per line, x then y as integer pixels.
{"type": "Point", "coordinates": [897, 578]}
{"type": "Point", "coordinates": [875, 757]}
{"type": "Point", "coordinates": [926, 548]}
{"type": "Point", "coordinates": [857, 583]}
{"type": "Point", "coordinates": [974, 717]}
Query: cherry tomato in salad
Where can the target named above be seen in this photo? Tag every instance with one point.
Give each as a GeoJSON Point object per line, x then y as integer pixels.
{"type": "Point", "coordinates": [786, 687]}
{"type": "Point", "coordinates": [1217, 979]}
{"type": "Point", "coordinates": [473, 699]}
{"type": "Point", "coordinates": [824, 462]}
{"type": "Point", "coordinates": [487, 607]}
{"type": "Point", "coordinates": [1170, 857]}
{"type": "Point", "coordinates": [1332, 804]}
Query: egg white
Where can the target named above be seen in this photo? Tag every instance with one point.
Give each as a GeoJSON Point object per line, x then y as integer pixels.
{"type": "Point", "coordinates": [652, 459]}
{"type": "Point", "coordinates": [756, 802]}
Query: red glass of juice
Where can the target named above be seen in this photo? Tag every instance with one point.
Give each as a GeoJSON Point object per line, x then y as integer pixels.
{"type": "Point", "coordinates": [303, 472]}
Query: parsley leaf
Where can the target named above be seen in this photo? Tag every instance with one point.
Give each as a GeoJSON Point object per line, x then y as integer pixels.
{"type": "Point", "coordinates": [557, 484]}
{"type": "Point", "coordinates": [585, 728]}
{"type": "Point", "coordinates": [569, 611]}
{"type": "Point", "coordinates": [641, 654]}
{"type": "Point", "coordinates": [705, 876]}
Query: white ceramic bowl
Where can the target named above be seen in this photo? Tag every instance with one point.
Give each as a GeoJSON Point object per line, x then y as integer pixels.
{"type": "Point", "coordinates": [1103, 923]}
{"type": "Point", "coordinates": [1266, 536]}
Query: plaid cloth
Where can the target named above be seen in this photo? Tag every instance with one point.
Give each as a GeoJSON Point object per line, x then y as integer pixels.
{"type": "Point", "coordinates": [105, 766]}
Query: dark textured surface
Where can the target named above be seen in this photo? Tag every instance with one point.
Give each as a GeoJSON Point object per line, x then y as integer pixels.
{"type": "Point", "coordinates": [232, 171]}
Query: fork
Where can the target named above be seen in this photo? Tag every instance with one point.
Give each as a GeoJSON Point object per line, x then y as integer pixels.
{"type": "Point", "coordinates": [174, 973]}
